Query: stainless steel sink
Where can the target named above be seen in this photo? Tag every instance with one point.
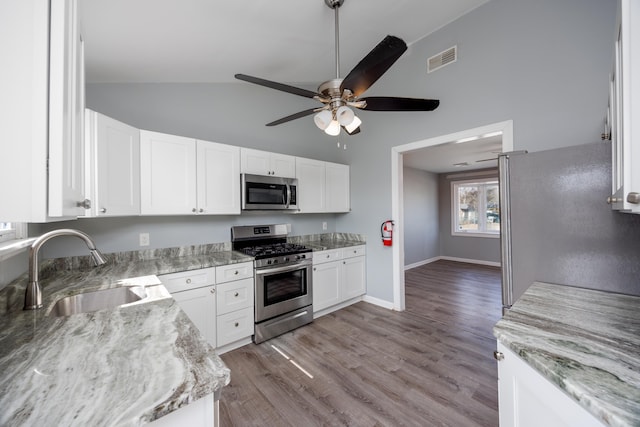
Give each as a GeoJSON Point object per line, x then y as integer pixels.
{"type": "Point", "coordinates": [98, 300]}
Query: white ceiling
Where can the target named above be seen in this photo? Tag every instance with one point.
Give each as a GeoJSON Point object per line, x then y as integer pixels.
{"type": "Point", "coordinates": [289, 41]}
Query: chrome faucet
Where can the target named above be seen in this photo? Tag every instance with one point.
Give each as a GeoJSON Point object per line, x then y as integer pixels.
{"type": "Point", "coordinates": [33, 293]}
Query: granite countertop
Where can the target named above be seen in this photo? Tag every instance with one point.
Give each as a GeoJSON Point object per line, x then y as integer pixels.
{"type": "Point", "coordinates": [584, 341]}
{"type": "Point", "coordinates": [328, 241]}
{"type": "Point", "coordinates": [121, 367]}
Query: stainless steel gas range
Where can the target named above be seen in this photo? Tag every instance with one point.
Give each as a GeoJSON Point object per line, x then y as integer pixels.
{"type": "Point", "coordinates": [283, 278]}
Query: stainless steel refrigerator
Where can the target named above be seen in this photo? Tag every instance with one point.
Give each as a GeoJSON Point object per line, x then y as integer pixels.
{"type": "Point", "coordinates": [557, 227]}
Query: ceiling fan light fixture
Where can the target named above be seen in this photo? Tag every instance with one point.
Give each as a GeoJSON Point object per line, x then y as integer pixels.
{"type": "Point", "coordinates": [355, 124]}
{"type": "Point", "coordinates": [333, 129]}
{"type": "Point", "coordinates": [345, 115]}
{"type": "Point", "coordinates": [323, 119]}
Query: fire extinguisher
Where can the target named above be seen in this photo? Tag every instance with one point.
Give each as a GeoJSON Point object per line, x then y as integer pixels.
{"type": "Point", "coordinates": [386, 230]}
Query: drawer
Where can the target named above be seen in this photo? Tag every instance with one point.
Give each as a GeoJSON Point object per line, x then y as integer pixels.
{"type": "Point", "coordinates": [234, 326]}
{"type": "Point", "coordinates": [185, 280]}
{"type": "Point", "coordinates": [235, 295]}
{"type": "Point", "coordinates": [327, 256]}
{"type": "Point", "coordinates": [227, 273]}
{"type": "Point", "coordinates": [353, 251]}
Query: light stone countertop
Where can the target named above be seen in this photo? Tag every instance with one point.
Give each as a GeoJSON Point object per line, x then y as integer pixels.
{"type": "Point", "coordinates": [584, 341]}
{"type": "Point", "coordinates": [121, 367]}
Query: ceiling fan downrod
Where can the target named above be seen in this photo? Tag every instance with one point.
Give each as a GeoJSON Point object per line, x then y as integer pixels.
{"type": "Point", "coordinates": [335, 5]}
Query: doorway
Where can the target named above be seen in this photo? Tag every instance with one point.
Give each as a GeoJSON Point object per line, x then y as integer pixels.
{"type": "Point", "coordinates": [397, 164]}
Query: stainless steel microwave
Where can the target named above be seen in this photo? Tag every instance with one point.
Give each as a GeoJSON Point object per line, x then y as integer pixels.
{"type": "Point", "coordinates": [260, 192]}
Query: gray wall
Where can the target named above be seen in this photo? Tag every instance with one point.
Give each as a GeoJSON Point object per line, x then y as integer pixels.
{"type": "Point", "coordinates": [421, 222]}
{"type": "Point", "coordinates": [543, 64]}
{"type": "Point", "coordinates": [475, 248]}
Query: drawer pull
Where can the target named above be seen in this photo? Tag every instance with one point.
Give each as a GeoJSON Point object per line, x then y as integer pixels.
{"type": "Point", "coordinates": [213, 291]}
{"type": "Point", "coordinates": [236, 272]}
{"type": "Point", "coordinates": [236, 324]}
{"type": "Point", "coordinates": [236, 294]}
{"type": "Point", "coordinates": [188, 281]}
{"type": "Point", "coordinates": [498, 355]}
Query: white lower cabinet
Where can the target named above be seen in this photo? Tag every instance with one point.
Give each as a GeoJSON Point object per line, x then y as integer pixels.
{"type": "Point", "coordinates": [203, 412]}
{"type": "Point", "coordinates": [339, 277]}
{"type": "Point", "coordinates": [195, 293]}
{"type": "Point", "coordinates": [527, 399]}
{"type": "Point", "coordinates": [218, 300]}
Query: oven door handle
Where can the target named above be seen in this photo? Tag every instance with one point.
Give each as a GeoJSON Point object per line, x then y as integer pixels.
{"type": "Point", "coordinates": [299, 266]}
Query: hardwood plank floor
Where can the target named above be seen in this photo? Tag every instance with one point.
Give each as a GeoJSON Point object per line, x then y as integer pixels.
{"type": "Point", "coordinates": [431, 365]}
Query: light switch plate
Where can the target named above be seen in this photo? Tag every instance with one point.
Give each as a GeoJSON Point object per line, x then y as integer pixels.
{"type": "Point", "coordinates": [144, 239]}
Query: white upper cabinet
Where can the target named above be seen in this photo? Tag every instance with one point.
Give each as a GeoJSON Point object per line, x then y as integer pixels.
{"type": "Point", "coordinates": [42, 106]}
{"type": "Point", "coordinates": [337, 187]}
{"type": "Point", "coordinates": [311, 185]}
{"type": "Point", "coordinates": [182, 176]}
{"type": "Point", "coordinates": [218, 178]}
{"type": "Point", "coordinates": [168, 174]}
{"type": "Point", "coordinates": [323, 186]}
{"type": "Point", "coordinates": [113, 166]}
{"type": "Point", "coordinates": [624, 105]}
{"type": "Point", "coordinates": [259, 162]}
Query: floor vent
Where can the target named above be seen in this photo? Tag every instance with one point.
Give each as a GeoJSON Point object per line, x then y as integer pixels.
{"type": "Point", "coordinates": [443, 58]}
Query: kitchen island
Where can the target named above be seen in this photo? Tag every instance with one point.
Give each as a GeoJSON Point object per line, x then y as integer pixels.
{"type": "Point", "coordinates": [123, 367]}
{"type": "Point", "coordinates": [585, 342]}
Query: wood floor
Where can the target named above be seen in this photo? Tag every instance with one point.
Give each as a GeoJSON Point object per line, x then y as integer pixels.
{"type": "Point", "coordinates": [431, 365]}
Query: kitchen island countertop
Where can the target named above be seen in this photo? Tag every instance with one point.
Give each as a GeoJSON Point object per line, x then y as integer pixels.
{"type": "Point", "coordinates": [123, 367]}
{"type": "Point", "coordinates": [584, 341]}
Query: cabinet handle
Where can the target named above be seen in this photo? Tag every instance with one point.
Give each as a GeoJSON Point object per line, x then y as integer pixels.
{"type": "Point", "coordinates": [498, 355]}
{"type": "Point", "coordinates": [194, 210]}
{"type": "Point", "coordinates": [213, 291]}
{"type": "Point", "coordinates": [611, 200]}
{"type": "Point", "coordinates": [103, 210]}
{"type": "Point", "coordinates": [328, 256]}
{"type": "Point", "coordinates": [188, 281]}
{"type": "Point", "coordinates": [86, 204]}
{"type": "Point", "coordinates": [633, 198]}
{"type": "Point", "coordinates": [236, 272]}
{"type": "Point", "coordinates": [201, 210]}
{"type": "Point", "coordinates": [236, 294]}
{"type": "Point", "coordinates": [315, 269]}
{"type": "Point", "coordinates": [236, 324]}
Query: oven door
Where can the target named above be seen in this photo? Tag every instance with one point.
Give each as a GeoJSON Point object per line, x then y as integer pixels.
{"type": "Point", "coordinates": [280, 290]}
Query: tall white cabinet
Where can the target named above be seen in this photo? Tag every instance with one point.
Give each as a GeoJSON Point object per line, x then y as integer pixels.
{"type": "Point", "coordinates": [42, 105]}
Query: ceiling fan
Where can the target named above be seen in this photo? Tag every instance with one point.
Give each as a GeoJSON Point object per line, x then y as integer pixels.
{"type": "Point", "coordinates": [339, 94]}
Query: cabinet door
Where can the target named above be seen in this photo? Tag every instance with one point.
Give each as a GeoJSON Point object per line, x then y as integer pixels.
{"type": "Point", "coordinates": [283, 165]}
{"type": "Point", "coordinates": [200, 305]}
{"type": "Point", "coordinates": [116, 166]}
{"type": "Point", "coordinates": [218, 170]}
{"type": "Point", "coordinates": [311, 185]}
{"type": "Point", "coordinates": [337, 187]}
{"type": "Point", "coordinates": [168, 174]}
{"type": "Point", "coordinates": [255, 162]}
{"type": "Point", "coordinates": [66, 111]}
{"type": "Point", "coordinates": [527, 399]}
{"type": "Point", "coordinates": [235, 326]}
{"type": "Point", "coordinates": [326, 285]}
{"type": "Point", "coordinates": [353, 277]}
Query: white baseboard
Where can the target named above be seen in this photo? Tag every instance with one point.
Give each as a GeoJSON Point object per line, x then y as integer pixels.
{"type": "Point", "coordinates": [379, 302]}
{"type": "Point", "coordinates": [450, 258]}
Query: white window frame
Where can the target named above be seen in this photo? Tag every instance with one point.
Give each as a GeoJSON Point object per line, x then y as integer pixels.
{"type": "Point", "coordinates": [483, 232]}
{"type": "Point", "coordinates": [14, 240]}
{"type": "Point", "coordinates": [17, 231]}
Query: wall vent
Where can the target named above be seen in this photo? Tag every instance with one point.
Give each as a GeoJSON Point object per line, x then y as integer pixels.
{"type": "Point", "coordinates": [446, 57]}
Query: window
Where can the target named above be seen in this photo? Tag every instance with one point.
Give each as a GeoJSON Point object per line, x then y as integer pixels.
{"type": "Point", "coordinates": [12, 231]}
{"type": "Point", "coordinates": [475, 208]}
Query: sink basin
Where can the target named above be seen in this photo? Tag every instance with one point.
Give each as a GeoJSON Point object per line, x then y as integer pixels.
{"type": "Point", "coordinates": [98, 300]}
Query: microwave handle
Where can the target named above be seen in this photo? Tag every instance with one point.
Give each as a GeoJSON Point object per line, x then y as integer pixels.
{"type": "Point", "coordinates": [288, 196]}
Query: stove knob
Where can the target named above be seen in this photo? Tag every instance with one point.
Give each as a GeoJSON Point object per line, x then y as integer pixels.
{"type": "Point", "coordinates": [285, 259]}
{"type": "Point", "coordinates": [269, 261]}
{"type": "Point", "coordinates": [303, 256]}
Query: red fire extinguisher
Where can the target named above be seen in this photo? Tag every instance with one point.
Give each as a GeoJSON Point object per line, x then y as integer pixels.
{"type": "Point", "coordinates": [386, 230]}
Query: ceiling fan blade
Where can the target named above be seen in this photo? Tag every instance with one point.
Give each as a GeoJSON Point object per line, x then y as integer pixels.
{"type": "Point", "coordinates": [293, 117]}
{"type": "Point", "coordinates": [389, 103]}
{"type": "Point", "coordinates": [277, 86]}
{"type": "Point", "coordinates": [374, 65]}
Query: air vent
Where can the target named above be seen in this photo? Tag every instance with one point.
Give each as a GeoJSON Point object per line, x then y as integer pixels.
{"type": "Point", "coordinates": [443, 58]}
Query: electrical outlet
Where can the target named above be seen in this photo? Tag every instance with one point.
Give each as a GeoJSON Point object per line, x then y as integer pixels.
{"type": "Point", "coordinates": [144, 239]}
{"type": "Point", "coordinates": [324, 225]}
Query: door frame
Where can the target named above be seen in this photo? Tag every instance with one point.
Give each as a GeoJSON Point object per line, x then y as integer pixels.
{"type": "Point", "coordinates": [397, 194]}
